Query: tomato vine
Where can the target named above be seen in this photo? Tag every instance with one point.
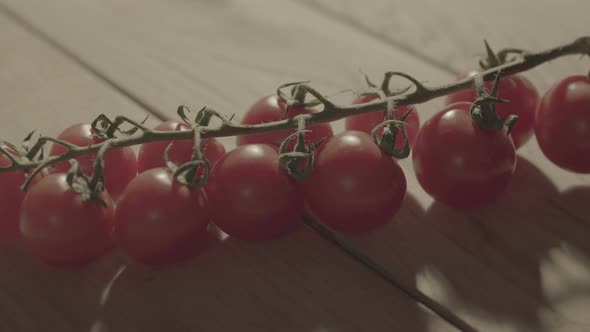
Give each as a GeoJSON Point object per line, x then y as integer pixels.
{"type": "Point", "coordinates": [110, 129]}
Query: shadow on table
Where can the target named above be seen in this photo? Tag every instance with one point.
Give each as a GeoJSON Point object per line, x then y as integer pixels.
{"type": "Point", "coordinates": [505, 249]}
{"type": "Point", "coordinates": [484, 264]}
{"type": "Point", "coordinates": [575, 202]}
{"type": "Point", "coordinates": [297, 283]}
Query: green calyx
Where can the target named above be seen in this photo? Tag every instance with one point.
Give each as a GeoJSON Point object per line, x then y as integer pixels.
{"type": "Point", "coordinates": [88, 189]}
{"type": "Point", "coordinates": [194, 173]}
{"type": "Point", "coordinates": [388, 139]}
{"type": "Point", "coordinates": [385, 133]}
{"type": "Point", "coordinates": [299, 162]}
{"type": "Point", "coordinates": [104, 128]}
{"type": "Point", "coordinates": [492, 60]}
{"type": "Point", "coordinates": [298, 94]}
{"type": "Point", "coordinates": [202, 118]}
{"type": "Point", "coordinates": [483, 109]}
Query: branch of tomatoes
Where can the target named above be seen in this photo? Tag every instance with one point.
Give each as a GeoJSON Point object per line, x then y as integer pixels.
{"type": "Point", "coordinates": [115, 137]}
{"type": "Point", "coordinates": [294, 156]}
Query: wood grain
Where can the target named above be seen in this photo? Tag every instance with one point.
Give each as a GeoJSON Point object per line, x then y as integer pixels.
{"type": "Point", "coordinates": [449, 34]}
{"type": "Point", "coordinates": [299, 283]}
{"type": "Point", "coordinates": [520, 265]}
{"type": "Point", "coordinates": [41, 89]}
{"type": "Point", "coordinates": [223, 54]}
{"type": "Point", "coordinates": [535, 235]}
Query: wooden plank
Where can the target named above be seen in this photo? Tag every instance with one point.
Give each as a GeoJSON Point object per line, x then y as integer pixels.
{"type": "Point", "coordinates": [298, 283]}
{"type": "Point", "coordinates": [278, 286]}
{"type": "Point", "coordinates": [41, 89]}
{"type": "Point", "coordinates": [223, 55]}
{"type": "Point", "coordinates": [168, 56]}
{"type": "Point", "coordinates": [538, 253]}
{"type": "Point", "coordinates": [450, 34]}
{"type": "Point", "coordinates": [536, 235]}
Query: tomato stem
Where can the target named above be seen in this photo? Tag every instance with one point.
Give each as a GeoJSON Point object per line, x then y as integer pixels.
{"type": "Point", "coordinates": [99, 165]}
{"type": "Point", "coordinates": [331, 112]}
{"type": "Point", "coordinates": [302, 154]}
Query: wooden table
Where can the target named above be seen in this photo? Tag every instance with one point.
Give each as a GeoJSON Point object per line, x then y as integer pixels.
{"type": "Point", "coordinates": [519, 265]}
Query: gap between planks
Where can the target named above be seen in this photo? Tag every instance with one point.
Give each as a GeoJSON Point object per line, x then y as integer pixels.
{"type": "Point", "coordinates": [358, 256]}
{"type": "Point", "coordinates": [70, 54]}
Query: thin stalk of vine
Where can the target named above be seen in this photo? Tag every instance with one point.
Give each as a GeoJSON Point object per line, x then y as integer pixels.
{"type": "Point", "coordinates": [522, 61]}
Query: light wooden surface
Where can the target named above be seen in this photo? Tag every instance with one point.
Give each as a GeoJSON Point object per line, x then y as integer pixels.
{"type": "Point", "coordinates": [519, 265]}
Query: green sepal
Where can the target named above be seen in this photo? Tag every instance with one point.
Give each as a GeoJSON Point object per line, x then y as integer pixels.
{"type": "Point", "coordinates": [483, 110]}
{"type": "Point", "coordinates": [134, 129]}
{"type": "Point", "coordinates": [290, 161]}
{"type": "Point", "coordinates": [181, 111]}
{"type": "Point", "coordinates": [509, 122]}
{"type": "Point", "coordinates": [492, 59]}
{"type": "Point", "coordinates": [186, 173]}
{"type": "Point", "coordinates": [102, 127]}
{"type": "Point", "coordinates": [81, 185]}
{"type": "Point", "coordinates": [203, 117]}
{"type": "Point", "coordinates": [10, 146]}
{"type": "Point", "coordinates": [387, 140]}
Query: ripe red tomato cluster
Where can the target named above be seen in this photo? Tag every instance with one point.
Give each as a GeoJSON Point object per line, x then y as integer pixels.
{"type": "Point", "coordinates": [351, 176]}
{"type": "Point", "coordinates": [470, 166]}
{"type": "Point", "coordinates": [354, 186]}
{"type": "Point", "coordinates": [153, 218]}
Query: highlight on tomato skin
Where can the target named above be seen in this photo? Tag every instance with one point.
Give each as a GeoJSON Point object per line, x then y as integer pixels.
{"type": "Point", "coordinates": [459, 163]}
{"type": "Point", "coordinates": [60, 228]}
{"type": "Point", "coordinates": [272, 108]}
{"type": "Point", "coordinates": [151, 155]}
{"type": "Point", "coordinates": [120, 165]}
{"type": "Point", "coordinates": [251, 197]}
{"type": "Point", "coordinates": [160, 221]}
{"type": "Point", "coordinates": [354, 187]}
{"type": "Point", "coordinates": [562, 124]}
{"type": "Point", "coordinates": [522, 97]}
{"type": "Point", "coordinates": [366, 122]}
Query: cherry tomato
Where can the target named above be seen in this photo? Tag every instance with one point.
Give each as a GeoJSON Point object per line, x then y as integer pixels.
{"type": "Point", "coordinates": [459, 163]}
{"type": "Point", "coordinates": [159, 220]}
{"type": "Point", "coordinates": [366, 122]}
{"type": "Point", "coordinates": [151, 155]}
{"type": "Point", "coordinates": [354, 186]}
{"type": "Point", "coordinates": [251, 197]}
{"type": "Point", "coordinates": [11, 196]}
{"type": "Point", "coordinates": [272, 108]}
{"type": "Point", "coordinates": [562, 124]}
{"type": "Point", "coordinates": [522, 96]}
{"type": "Point", "coordinates": [62, 229]}
{"type": "Point", "coordinates": [120, 164]}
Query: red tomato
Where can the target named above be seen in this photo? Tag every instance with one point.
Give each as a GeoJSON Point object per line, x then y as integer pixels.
{"type": "Point", "coordinates": [151, 155]}
{"type": "Point", "coordinates": [354, 186]}
{"type": "Point", "coordinates": [459, 163]}
{"type": "Point", "coordinates": [562, 124]}
{"type": "Point", "coordinates": [522, 96]}
{"type": "Point", "coordinates": [272, 108]}
{"type": "Point", "coordinates": [159, 220]}
{"type": "Point", "coordinates": [251, 197]}
{"type": "Point", "coordinates": [11, 196]}
{"type": "Point", "coordinates": [60, 228]}
{"type": "Point", "coordinates": [366, 122]}
{"type": "Point", "coordinates": [120, 164]}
